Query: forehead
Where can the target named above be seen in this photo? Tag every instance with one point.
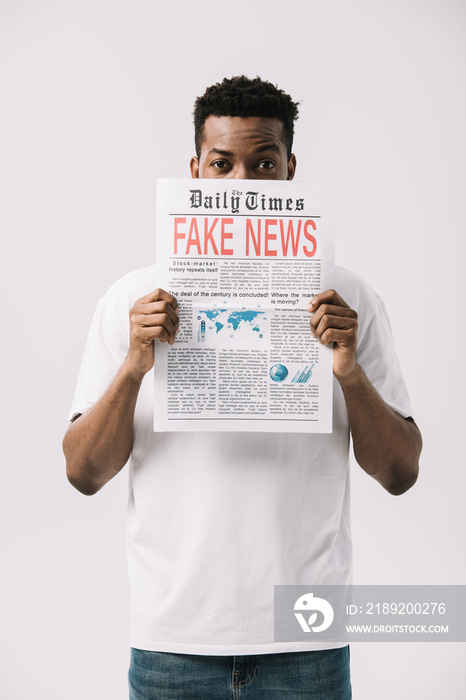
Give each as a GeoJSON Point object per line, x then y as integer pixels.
{"type": "Point", "coordinates": [227, 133]}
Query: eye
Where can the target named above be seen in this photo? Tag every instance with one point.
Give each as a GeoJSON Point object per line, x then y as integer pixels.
{"type": "Point", "coordinates": [266, 165]}
{"type": "Point", "coordinates": [221, 164]}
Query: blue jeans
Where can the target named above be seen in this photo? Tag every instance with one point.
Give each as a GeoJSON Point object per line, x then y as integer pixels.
{"type": "Point", "coordinates": [316, 675]}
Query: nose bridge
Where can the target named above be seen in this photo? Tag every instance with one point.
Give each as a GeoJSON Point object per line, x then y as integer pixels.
{"type": "Point", "coordinates": [242, 172]}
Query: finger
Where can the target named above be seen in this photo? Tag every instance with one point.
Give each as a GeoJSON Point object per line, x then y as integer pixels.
{"type": "Point", "coordinates": [154, 321]}
{"type": "Point", "coordinates": [327, 311]}
{"type": "Point", "coordinates": [344, 338]}
{"type": "Point", "coordinates": [330, 296]}
{"type": "Point", "coordinates": [329, 322]}
{"type": "Point", "coordinates": [158, 295]}
{"type": "Point", "coordinates": [154, 308]}
{"type": "Point", "coordinates": [146, 335]}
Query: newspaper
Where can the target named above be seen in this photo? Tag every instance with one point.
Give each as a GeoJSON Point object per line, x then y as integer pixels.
{"type": "Point", "coordinates": [244, 258]}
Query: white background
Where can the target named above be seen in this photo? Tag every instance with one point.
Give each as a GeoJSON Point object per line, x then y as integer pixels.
{"type": "Point", "coordinates": [96, 102]}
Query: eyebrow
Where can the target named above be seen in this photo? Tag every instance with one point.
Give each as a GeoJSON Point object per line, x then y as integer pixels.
{"type": "Point", "coordinates": [220, 152]}
{"type": "Point", "coordinates": [268, 147]}
{"type": "Point", "coordinates": [260, 149]}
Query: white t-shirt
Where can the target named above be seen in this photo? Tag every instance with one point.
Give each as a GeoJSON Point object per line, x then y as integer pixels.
{"type": "Point", "coordinates": [215, 520]}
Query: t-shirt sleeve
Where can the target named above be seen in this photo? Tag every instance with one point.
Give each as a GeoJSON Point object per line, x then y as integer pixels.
{"type": "Point", "coordinates": [106, 348]}
{"type": "Point", "coordinates": [377, 357]}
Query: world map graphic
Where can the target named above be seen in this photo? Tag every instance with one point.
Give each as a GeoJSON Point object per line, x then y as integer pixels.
{"type": "Point", "coordinates": [232, 321]}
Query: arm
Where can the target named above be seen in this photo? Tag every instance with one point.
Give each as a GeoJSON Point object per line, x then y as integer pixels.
{"type": "Point", "coordinates": [386, 445]}
{"type": "Point", "coordinates": [98, 443]}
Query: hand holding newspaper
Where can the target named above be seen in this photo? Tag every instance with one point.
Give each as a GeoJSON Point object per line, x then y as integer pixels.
{"type": "Point", "coordinates": [244, 258]}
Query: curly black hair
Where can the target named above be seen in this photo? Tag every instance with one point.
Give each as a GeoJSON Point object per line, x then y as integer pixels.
{"type": "Point", "coordinates": [245, 97]}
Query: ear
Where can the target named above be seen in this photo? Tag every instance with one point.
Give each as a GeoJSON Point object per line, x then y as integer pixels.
{"type": "Point", "coordinates": [194, 166]}
{"type": "Point", "coordinates": [291, 166]}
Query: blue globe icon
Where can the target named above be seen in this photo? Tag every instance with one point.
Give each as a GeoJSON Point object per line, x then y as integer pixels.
{"type": "Point", "coordinates": [278, 373]}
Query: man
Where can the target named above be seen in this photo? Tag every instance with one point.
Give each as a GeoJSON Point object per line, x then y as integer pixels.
{"type": "Point", "coordinates": [215, 520]}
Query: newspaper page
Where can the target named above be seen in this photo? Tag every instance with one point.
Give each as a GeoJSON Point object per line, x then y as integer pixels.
{"type": "Point", "coordinates": [244, 258]}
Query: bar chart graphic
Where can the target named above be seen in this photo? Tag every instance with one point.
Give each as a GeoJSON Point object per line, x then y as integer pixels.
{"type": "Point", "coordinates": [303, 376]}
